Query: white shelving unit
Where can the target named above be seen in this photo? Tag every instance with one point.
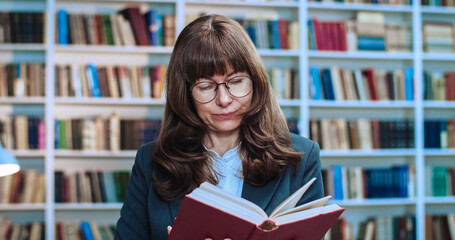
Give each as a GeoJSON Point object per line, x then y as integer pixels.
{"type": "Point", "coordinates": [303, 108]}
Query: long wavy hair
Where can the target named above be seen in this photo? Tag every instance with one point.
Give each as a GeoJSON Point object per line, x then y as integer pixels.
{"type": "Point", "coordinates": [205, 48]}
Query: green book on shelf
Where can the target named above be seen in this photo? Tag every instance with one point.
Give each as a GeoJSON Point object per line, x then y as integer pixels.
{"type": "Point", "coordinates": [108, 29]}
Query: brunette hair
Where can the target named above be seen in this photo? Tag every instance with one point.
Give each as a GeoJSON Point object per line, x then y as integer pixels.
{"type": "Point", "coordinates": [205, 48]}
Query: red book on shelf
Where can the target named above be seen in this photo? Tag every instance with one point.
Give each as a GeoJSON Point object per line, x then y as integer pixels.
{"type": "Point", "coordinates": [342, 29]}
{"type": "Point", "coordinates": [211, 212]}
{"type": "Point", "coordinates": [369, 73]}
{"type": "Point", "coordinates": [317, 34]}
{"type": "Point", "coordinates": [137, 22]}
{"type": "Point", "coordinates": [283, 33]}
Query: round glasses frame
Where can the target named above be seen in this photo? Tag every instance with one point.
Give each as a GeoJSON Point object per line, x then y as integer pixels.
{"type": "Point", "coordinates": [226, 84]}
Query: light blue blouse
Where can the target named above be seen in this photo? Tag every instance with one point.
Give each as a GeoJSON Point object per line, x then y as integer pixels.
{"type": "Point", "coordinates": [229, 169]}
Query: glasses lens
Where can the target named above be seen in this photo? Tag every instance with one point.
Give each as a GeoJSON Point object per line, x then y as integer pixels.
{"type": "Point", "coordinates": [240, 86]}
{"type": "Point", "coordinates": [204, 91]}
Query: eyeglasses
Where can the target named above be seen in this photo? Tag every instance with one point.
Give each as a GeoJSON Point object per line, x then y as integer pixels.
{"type": "Point", "coordinates": [238, 86]}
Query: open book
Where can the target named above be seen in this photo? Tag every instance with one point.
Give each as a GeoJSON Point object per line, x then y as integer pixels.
{"type": "Point", "coordinates": [209, 211]}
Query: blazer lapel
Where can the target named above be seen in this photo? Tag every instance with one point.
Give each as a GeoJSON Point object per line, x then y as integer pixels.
{"type": "Point", "coordinates": [261, 196]}
{"type": "Point", "coordinates": [174, 207]}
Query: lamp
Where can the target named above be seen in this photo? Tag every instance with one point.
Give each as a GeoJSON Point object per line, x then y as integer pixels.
{"type": "Point", "coordinates": [8, 163]}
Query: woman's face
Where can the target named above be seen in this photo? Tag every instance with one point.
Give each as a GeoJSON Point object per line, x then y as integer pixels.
{"type": "Point", "coordinates": [224, 114]}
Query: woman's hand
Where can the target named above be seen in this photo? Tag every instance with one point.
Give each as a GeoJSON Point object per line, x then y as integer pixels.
{"type": "Point", "coordinates": [169, 229]}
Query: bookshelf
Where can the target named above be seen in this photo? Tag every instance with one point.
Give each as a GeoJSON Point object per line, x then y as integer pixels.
{"type": "Point", "coordinates": [51, 107]}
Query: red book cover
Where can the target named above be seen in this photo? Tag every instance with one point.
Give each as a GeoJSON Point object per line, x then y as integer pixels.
{"type": "Point", "coordinates": [283, 33]}
{"type": "Point", "coordinates": [450, 86]}
{"type": "Point", "coordinates": [204, 214]}
{"type": "Point", "coordinates": [369, 73]}
{"type": "Point", "coordinates": [137, 22]}
{"type": "Point", "coordinates": [317, 34]}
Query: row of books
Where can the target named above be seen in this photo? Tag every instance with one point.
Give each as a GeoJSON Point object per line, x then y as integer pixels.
{"type": "Point", "coordinates": [90, 186]}
{"type": "Point", "coordinates": [267, 31]}
{"type": "Point", "coordinates": [438, 36]}
{"type": "Point", "coordinates": [439, 86]}
{"type": "Point", "coordinates": [21, 27]}
{"type": "Point", "coordinates": [391, 2]}
{"type": "Point", "coordinates": [442, 182]}
{"type": "Point", "coordinates": [22, 80]}
{"type": "Point", "coordinates": [439, 226]}
{"type": "Point", "coordinates": [84, 230]}
{"type": "Point", "coordinates": [336, 83]}
{"type": "Point", "coordinates": [25, 186]}
{"type": "Point", "coordinates": [22, 132]}
{"type": "Point", "coordinates": [272, 34]}
{"type": "Point", "coordinates": [343, 182]}
{"type": "Point", "coordinates": [19, 231]}
{"type": "Point", "coordinates": [439, 133]}
{"type": "Point", "coordinates": [367, 32]}
{"type": "Point", "coordinates": [438, 3]}
{"type": "Point", "coordinates": [128, 27]}
{"type": "Point", "coordinates": [285, 82]}
{"type": "Point", "coordinates": [378, 228]}
{"type": "Point", "coordinates": [111, 133]}
{"type": "Point", "coordinates": [110, 81]}
{"type": "Point", "coordinates": [344, 134]}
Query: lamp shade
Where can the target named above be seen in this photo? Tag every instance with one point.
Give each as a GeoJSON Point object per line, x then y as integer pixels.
{"type": "Point", "coordinates": [8, 163]}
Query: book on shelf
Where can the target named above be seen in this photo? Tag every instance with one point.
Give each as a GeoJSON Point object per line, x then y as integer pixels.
{"type": "Point", "coordinates": [21, 27]}
{"type": "Point", "coordinates": [335, 83]}
{"type": "Point", "coordinates": [128, 27]}
{"type": "Point", "coordinates": [85, 229]}
{"type": "Point", "coordinates": [343, 134]}
{"type": "Point", "coordinates": [439, 86]}
{"type": "Point", "coordinates": [438, 36]}
{"type": "Point", "coordinates": [90, 186]}
{"type": "Point", "coordinates": [210, 211]}
{"type": "Point", "coordinates": [439, 133]}
{"type": "Point", "coordinates": [110, 81]}
{"type": "Point", "coordinates": [26, 186]}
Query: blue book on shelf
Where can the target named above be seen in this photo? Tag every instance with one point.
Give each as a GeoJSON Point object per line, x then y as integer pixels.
{"type": "Point", "coordinates": [327, 85]}
{"type": "Point", "coordinates": [275, 35]}
{"type": "Point", "coordinates": [338, 182]}
{"type": "Point", "coordinates": [371, 43]}
{"type": "Point", "coordinates": [62, 23]}
{"type": "Point", "coordinates": [311, 39]}
{"type": "Point", "coordinates": [56, 134]}
{"type": "Point", "coordinates": [315, 88]}
{"type": "Point", "coordinates": [251, 30]}
{"type": "Point", "coordinates": [86, 231]}
{"type": "Point", "coordinates": [152, 27]}
{"type": "Point", "coordinates": [409, 83]}
{"type": "Point", "coordinates": [159, 32]}
{"type": "Point", "coordinates": [92, 76]}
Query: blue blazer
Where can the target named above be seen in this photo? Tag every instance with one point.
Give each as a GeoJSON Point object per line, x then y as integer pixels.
{"type": "Point", "coordinates": [145, 215]}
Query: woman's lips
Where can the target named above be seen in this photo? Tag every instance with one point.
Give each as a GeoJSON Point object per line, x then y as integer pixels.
{"type": "Point", "coordinates": [225, 115]}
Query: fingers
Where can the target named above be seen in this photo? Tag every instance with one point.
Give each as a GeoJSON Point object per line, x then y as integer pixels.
{"type": "Point", "coordinates": [169, 229]}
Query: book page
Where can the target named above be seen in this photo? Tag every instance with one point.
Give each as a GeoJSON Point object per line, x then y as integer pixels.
{"type": "Point", "coordinates": [218, 198]}
{"type": "Point", "coordinates": [309, 205]}
{"type": "Point", "coordinates": [292, 200]}
{"type": "Point", "coordinates": [292, 217]}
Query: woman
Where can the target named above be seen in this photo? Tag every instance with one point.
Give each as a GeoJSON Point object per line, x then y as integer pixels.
{"type": "Point", "coordinates": [221, 124]}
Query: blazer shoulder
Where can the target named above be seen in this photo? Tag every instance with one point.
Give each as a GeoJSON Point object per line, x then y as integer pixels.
{"type": "Point", "coordinates": [144, 156]}
{"type": "Point", "coordinates": [301, 144]}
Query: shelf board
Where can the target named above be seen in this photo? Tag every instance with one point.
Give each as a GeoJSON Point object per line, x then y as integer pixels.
{"type": "Point", "coordinates": [108, 101]}
{"type": "Point", "coordinates": [22, 100]}
{"type": "Point", "coordinates": [357, 7]}
{"type": "Point", "coordinates": [361, 55]}
{"type": "Point", "coordinates": [439, 104]}
{"type": "Point", "coordinates": [437, 10]}
{"type": "Point", "coordinates": [85, 154]}
{"type": "Point", "coordinates": [113, 49]}
{"type": "Point", "coordinates": [439, 152]}
{"type": "Point", "coordinates": [28, 153]}
{"type": "Point", "coordinates": [289, 102]}
{"type": "Point", "coordinates": [440, 200]}
{"type": "Point", "coordinates": [119, 1]}
{"type": "Point", "coordinates": [368, 153]}
{"type": "Point", "coordinates": [88, 206]}
{"type": "Point", "coordinates": [374, 202]}
{"type": "Point", "coordinates": [23, 47]}
{"type": "Point", "coordinates": [361, 104]}
{"type": "Point", "coordinates": [438, 56]}
{"type": "Point", "coordinates": [274, 4]}
{"type": "Point", "coordinates": [278, 53]}
{"type": "Point", "coordinates": [23, 207]}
